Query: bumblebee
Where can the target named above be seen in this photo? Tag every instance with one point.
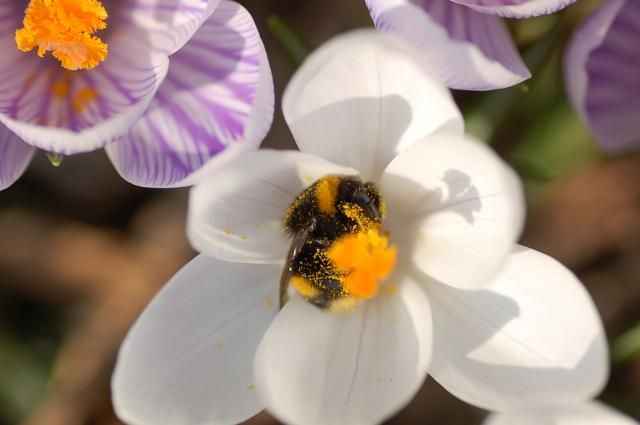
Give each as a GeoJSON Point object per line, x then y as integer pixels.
{"type": "Point", "coordinates": [339, 249]}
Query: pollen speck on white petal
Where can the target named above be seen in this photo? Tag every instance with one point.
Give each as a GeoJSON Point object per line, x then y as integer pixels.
{"type": "Point", "coordinates": [228, 229]}
{"type": "Point", "coordinates": [268, 303]}
{"type": "Point", "coordinates": [389, 289]}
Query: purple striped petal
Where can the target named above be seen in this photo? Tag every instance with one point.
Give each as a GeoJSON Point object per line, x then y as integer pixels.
{"type": "Point", "coordinates": [516, 8]}
{"type": "Point", "coordinates": [15, 156]}
{"type": "Point", "coordinates": [216, 103]}
{"type": "Point", "coordinates": [167, 24]}
{"type": "Point", "coordinates": [602, 70]}
{"type": "Point", "coordinates": [75, 111]}
{"type": "Point", "coordinates": [468, 50]}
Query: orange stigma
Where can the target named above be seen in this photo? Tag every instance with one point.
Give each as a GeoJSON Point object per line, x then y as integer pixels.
{"type": "Point", "coordinates": [364, 259]}
{"type": "Point", "coordinates": [66, 28]}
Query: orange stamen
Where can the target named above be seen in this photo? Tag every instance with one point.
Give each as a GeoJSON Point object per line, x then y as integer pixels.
{"type": "Point", "coordinates": [65, 27]}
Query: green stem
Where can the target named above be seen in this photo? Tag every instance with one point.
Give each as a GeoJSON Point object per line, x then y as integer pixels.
{"type": "Point", "coordinates": [295, 46]}
{"type": "Point", "coordinates": [626, 347]}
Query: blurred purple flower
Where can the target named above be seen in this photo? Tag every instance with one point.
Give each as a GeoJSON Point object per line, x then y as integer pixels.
{"type": "Point", "coordinates": [466, 41]}
{"type": "Point", "coordinates": [602, 74]}
{"type": "Point", "coordinates": [185, 83]}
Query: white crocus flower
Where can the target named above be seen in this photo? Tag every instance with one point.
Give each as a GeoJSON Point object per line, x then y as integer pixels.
{"type": "Point", "coordinates": [592, 413]}
{"type": "Point", "coordinates": [499, 325]}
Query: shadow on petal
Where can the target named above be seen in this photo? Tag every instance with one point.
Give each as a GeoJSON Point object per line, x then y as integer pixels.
{"type": "Point", "coordinates": [365, 133]}
{"type": "Point", "coordinates": [518, 343]}
{"type": "Point", "coordinates": [412, 205]}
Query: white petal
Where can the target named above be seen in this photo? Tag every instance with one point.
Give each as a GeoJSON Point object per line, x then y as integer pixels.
{"type": "Point", "coordinates": [533, 337]}
{"type": "Point", "coordinates": [467, 49]}
{"type": "Point", "coordinates": [236, 213]}
{"type": "Point", "coordinates": [187, 360]}
{"type": "Point", "coordinates": [455, 208]}
{"type": "Point", "coordinates": [592, 413]}
{"type": "Point", "coordinates": [362, 98]}
{"type": "Point", "coordinates": [318, 368]}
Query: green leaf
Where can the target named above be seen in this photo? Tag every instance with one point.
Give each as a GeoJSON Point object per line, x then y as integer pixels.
{"type": "Point", "coordinates": [626, 347]}
{"type": "Point", "coordinates": [291, 41]}
{"type": "Point", "coordinates": [23, 376]}
{"type": "Point", "coordinates": [557, 143]}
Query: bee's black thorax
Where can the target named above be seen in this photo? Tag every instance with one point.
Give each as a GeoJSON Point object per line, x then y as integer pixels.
{"type": "Point", "coordinates": [349, 190]}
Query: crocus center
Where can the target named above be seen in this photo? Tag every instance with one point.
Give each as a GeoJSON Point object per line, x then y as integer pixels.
{"type": "Point", "coordinates": [65, 28]}
{"type": "Point", "coordinates": [340, 253]}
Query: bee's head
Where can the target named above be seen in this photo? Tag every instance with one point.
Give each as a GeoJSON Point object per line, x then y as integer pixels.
{"type": "Point", "coordinates": [364, 195]}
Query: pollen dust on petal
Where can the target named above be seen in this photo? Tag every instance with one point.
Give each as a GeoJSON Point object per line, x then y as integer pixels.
{"type": "Point", "coordinates": [65, 28]}
{"type": "Point", "coordinates": [364, 259]}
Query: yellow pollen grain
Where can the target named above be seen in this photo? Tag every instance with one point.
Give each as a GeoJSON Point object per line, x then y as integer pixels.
{"type": "Point", "coordinates": [250, 387]}
{"type": "Point", "coordinates": [356, 213]}
{"type": "Point", "coordinates": [65, 28]}
{"type": "Point", "coordinates": [268, 303]}
{"type": "Point", "coordinates": [304, 287]}
{"type": "Point", "coordinates": [219, 346]}
{"type": "Point", "coordinates": [227, 229]}
{"type": "Point", "coordinates": [364, 259]}
{"type": "Point", "coordinates": [390, 289]}
{"type": "Point", "coordinates": [383, 209]}
{"type": "Point", "coordinates": [326, 193]}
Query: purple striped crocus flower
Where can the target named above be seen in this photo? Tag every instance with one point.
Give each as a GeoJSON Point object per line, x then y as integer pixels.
{"type": "Point", "coordinates": [602, 74]}
{"type": "Point", "coordinates": [466, 41]}
{"type": "Point", "coordinates": [165, 86]}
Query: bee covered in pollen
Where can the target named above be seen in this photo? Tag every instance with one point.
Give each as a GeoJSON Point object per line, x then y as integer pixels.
{"type": "Point", "coordinates": [339, 252]}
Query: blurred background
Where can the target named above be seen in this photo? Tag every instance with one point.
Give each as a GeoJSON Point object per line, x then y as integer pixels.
{"type": "Point", "coordinates": [82, 251]}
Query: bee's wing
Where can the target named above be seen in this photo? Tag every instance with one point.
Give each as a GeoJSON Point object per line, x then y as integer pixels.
{"type": "Point", "coordinates": [299, 239]}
